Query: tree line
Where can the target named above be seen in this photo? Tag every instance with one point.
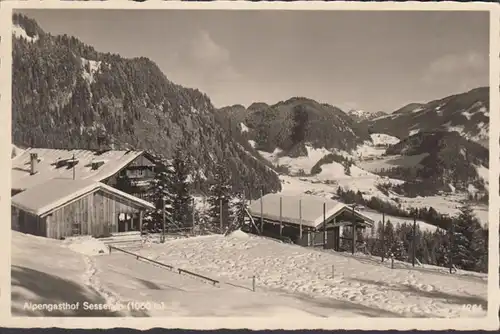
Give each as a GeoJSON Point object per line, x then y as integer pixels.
{"type": "Point", "coordinates": [172, 192]}
{"type": "Point", "coordinates": [460, 240]}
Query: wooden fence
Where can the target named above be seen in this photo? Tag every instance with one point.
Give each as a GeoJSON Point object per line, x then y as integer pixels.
{"type": "Point", "coordinates": [179, 270]}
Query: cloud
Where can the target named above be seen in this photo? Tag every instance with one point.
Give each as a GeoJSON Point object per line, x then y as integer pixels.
{"type": "Point", "coordinates": [204, 49]}
{"type": "Point", "coordinates": [471, 64]}
{"type": "Point", "coordinates": [210, 60]}
{"type": "Point", "coordinates": [349, 105]}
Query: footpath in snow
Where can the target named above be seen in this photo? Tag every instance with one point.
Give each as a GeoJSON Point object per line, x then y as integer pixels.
{"type": "Point", "coordinates": [58, 278]}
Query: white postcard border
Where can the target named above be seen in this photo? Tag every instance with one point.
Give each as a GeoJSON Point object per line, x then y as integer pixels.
{"type": "Point", "coordinates": [490, 322]}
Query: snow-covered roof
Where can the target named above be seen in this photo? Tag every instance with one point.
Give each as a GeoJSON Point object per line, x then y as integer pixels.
{"type": "Point", "coordinates": [47, 167]}
{"type": "Point", "coordinates": [43, 198]}
{"type": "Point", "coordinates": [311, 213]}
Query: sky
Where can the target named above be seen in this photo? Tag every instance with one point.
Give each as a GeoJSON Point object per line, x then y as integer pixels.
{"type": "Point", "coordinates": [368, 60]}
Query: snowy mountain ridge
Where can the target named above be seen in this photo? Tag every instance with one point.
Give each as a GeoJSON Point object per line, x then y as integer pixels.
{"type": "Point", "coordinates": [466, 113]}
{"type": "Point", "coordinates": [362, 115]}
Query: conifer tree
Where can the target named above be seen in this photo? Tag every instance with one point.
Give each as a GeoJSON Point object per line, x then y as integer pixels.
{"type": "Point", "coordinates": [219, 193]}
{"type": "Point", "coordinates": [180, 189]}
{"type": "Point", "coordinates": [399, 251]}
{"type": "Point", "coordinates": [360, 240]}
{"type": "Point", "coordinates": [440, 244]}
{"type": "Point", "coordinates": [479, 247]}
{"type": "Point", "coordinates": [465, 226]}
{"type": "Point", "coordinates": [238, 211]}
{"type": "Point", "coordinates": [378, 246]}
{"type": "Point", "coordinates": [346, 238]}
{"type": "Point", "coordinates": [399, 244]}
{"type": "Point", "coordinates": [388, 237]}
{"type": "Point", "coordinates": [161, 193]}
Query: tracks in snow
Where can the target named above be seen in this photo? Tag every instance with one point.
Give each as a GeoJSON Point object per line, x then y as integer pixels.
{"type": "Point", "coordinates": [91, 280]}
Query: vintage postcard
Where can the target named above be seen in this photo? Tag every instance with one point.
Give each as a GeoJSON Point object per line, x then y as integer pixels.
{"type": "Point", "coordinates": [247, 165]}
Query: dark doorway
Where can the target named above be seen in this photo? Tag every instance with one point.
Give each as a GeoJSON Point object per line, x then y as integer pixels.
{"type": "Point", "coordinates": [126, 222]}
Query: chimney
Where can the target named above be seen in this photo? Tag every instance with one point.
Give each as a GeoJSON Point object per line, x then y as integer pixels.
{"type": "Point", "coordinates": [34, 163]}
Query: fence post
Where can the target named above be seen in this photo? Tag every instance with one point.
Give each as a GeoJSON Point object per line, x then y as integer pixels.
{"type": "Point", "coordinates": [300, 224]}
{"type": "Point", "coordinates": [261, 213]}
{"type": "Point", "coordinates": [253, 283]}
{"type": "Point", "coordinates": [392, 261]}
{"type": "Point", "coordinates": [193, 209]}
{"type": "Point", "coordinates": [163, 225]}
{"type": "Point", "coordinates": [353, 245]}
{"type": "Point", "coordinates": [414, 243]}
{"type": "Point", "coordinates": [333, 271]}
{"type": "Point", "coordinates": [450, 247]}
{"type": "Point", "coordinates": [382, 237]}
{"type": "Point", "coordinates": [281, 216]}
{"type": "Point", "coordinates": [324, 225]}
{"type": "Point", "coordinates": [220, 215]}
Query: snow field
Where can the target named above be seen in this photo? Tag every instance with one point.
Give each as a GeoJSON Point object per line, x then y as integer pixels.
{"type": "Point", "coordinates": [20, 32]}
{"type": "Point", "coordinates": [359, 281]}
{"type": "Point", "coordinates": [180, 295]}
{"type": "Point", "coordinates": [290, 280]}
{"type": "Point", "coordinates": [74, 270]}
{"type": "Point", "coordinates": [47, 271]}
{"type": "Point", "coordinates": [445, 204]}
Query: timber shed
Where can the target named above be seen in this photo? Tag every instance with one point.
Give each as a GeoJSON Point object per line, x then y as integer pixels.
{"type": "Point", "coordinates": [62, 208]}
{"type": "Point", "coordinates": [306, 219]}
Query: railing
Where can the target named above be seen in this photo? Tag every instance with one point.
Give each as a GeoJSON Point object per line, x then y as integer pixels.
{"type": "Point", "coordinates": [198, 275]}
{"type": "Point", "coordinates": [213, 281]}
{"type": "Point", "coordinates": [141, 257]}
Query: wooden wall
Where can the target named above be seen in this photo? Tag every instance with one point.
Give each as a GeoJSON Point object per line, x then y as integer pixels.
{"type": "Point", "coordinates": [95, 214]}
{"type": "Point", "coordinates": [142, 161]}
{"type": "Point", "coordinates": [25, 222]}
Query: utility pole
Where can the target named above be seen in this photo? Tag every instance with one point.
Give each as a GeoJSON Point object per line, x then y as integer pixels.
{"type": "Point", "coordinates": [382, 237]}
{"type": "Point", "coordinates": [261, 213]}
{"type": "Point", "coordinates": [220, 214]}
{"type": "Point", "coordinates": [414, 241]}
{"type": "Point", "coordinates": [281, 216]}
{"type": "Point", "coordinates": [324, 226]}
{"type": "Point", "coordinates": [163, 225]}
{"type": "Point", "coordinates": [300, 219]}
{"type": "Point", "coordinates": [193, 212]}
{"type": "Point", "coordinates": [353, 246]}
{"type": "Point", "coordinates": [74, 172]}
{"type": "Point", "coordinates": [450, 246]}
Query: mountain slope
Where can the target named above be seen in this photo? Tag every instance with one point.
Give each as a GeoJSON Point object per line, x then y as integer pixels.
{"type": "Point", "coordinates": [66, 94]}
{"type": "Point", "coordinates": [447, 160]}
{"type": "Point", "coordinates": [466, 113]}
{"type": "Point", "coordinates": [290, 125]}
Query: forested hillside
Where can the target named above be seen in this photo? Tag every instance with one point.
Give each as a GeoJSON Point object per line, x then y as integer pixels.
{"type": "Point", "coordinates": [66, 94]}
{"type": "Point", "coordinates": [290, 125]}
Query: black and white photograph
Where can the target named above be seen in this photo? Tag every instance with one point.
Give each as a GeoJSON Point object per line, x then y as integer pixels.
{"type": "Point", "coordinates": [250, 163]}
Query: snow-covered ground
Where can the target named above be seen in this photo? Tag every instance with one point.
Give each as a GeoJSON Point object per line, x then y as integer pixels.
{"type": "Point", "coordinates": [16, 151]}
{"type": "Point", "coordinates": [445, 204]}
{"type": "Point", "coordinates": [386, 162]}
{"type": "Point", "coordinates": [377, 217]}
{"type": "Point", "coordinates": [358, 281]}
{"type": "Point", "coordinates": [47, 272]}
{"type": "Point", "coordinates": [90, 69]}
{"type": "Point", "coordinates": [290, 280]}
{"type": "Point", "coordinates": [20, 32]}
{"type": "Point", "coordinates": [367, 159]}
{"type": "Point", "coordinates": [296, 164]}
